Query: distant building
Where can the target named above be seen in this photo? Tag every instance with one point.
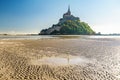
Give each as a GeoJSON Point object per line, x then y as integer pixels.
{"type": "Point", "coordinates": [68, 16]}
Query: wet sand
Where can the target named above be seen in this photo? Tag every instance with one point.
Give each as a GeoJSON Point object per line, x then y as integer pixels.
{"type": "Point", "coordinates": [60, 59]}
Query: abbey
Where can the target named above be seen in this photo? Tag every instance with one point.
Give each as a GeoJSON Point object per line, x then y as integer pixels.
{"type": "Point", "coordinates": [67, 25]}
{"type": "Point", "coordinates": [68, 16]}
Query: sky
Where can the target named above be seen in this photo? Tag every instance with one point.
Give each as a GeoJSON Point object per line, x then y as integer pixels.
{"type": "Point", "coordinates": [31, 16]}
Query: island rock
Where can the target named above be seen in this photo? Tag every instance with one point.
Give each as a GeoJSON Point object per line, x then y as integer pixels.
{"type": "Point", "coordinates": [68, 25]}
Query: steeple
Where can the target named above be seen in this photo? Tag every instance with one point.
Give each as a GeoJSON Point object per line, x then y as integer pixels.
{"type": "Point", "coordinates": [69, 12]}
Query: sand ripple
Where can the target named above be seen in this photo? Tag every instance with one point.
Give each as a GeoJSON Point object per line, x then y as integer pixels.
{"type": "Point", "coordinates": [21, 60]}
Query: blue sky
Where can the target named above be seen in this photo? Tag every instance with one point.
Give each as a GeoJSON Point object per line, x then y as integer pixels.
{"type": "Point", "coordinates": [30, 16]}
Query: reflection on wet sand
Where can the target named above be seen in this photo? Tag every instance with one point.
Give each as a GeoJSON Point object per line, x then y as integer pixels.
{"type": "Point", "coordinates": [57, 61]}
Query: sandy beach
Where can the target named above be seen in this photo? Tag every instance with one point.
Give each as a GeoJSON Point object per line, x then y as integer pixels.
{"type": "Point", "coordinates": [60, 59]}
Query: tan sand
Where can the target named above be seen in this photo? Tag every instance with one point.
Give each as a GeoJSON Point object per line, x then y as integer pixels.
{"type": "Point", "coordinates": [59, 59]}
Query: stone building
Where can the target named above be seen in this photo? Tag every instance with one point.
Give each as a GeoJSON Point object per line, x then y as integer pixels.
{"type": "Point", "coordinates": [68, 16]}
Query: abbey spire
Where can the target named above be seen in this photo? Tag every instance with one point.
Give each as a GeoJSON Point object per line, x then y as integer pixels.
{"type": "Point", "coordinates": [69, 12]}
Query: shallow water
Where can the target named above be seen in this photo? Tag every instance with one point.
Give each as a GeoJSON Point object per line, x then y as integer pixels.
{"type": "Point", "coordinates": [34, 37]}
{"type": "Point", "coordinates": [24, 37]}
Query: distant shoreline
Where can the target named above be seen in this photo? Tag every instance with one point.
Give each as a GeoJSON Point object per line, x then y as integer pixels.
{"type": "Point", "coordinates": [18, 34]}
{"type": "Point", "coordinates": [115, 34]}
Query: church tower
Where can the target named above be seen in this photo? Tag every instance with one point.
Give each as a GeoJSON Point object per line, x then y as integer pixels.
{"type": "Point", "coordinates": [68, 13]}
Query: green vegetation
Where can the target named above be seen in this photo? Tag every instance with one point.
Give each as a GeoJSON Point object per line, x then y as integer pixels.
{"type": "Point", "coordinates": [74, 27]}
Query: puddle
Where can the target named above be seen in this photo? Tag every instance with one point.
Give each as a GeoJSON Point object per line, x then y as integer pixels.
{"type": "Point", "coordinates": [59, 61]}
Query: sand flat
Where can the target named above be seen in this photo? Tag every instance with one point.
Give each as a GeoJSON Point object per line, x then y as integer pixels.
{"type": "Point", "coordinates": [60, 59]}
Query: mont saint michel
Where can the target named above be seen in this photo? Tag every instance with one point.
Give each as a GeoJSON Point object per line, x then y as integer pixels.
{"type": "Point", "coordinates": [66, 50]}
{"type": "Point", "coordinates": [68, 25]}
